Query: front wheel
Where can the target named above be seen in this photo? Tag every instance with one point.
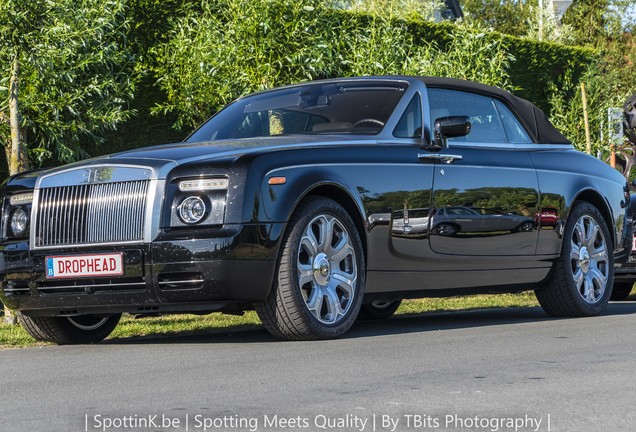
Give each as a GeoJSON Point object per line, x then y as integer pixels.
{"type": "Point", "coordinates": [446, 230]}
{"type": "Point", "coordinates": [79, 329]}
{"type": "Point", "coordinates": [582, 276]}
{"type": "Point", "coordinates": [321, 272]}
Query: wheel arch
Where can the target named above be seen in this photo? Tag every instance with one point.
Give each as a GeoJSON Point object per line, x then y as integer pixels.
{"type": "Point", "coordinates": [343, 197]}
{"type": "Point", "coordinates": [596, 199]}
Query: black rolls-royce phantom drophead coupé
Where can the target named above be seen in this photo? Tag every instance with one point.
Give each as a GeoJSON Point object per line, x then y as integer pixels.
{"type": "Point", "coordinates": [316, 204]}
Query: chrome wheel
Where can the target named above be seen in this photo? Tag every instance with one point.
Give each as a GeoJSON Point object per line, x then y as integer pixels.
{"type": "Point", "coordinates": [589, 259]}
{"type": "Point", "coordinates": [87, 322]}
{"type": "Point", "coordinates": [78, 329]}
{"type": "Point", "coordinates": [446, 230]}
{"type": "Point", "coordinates": [581, 278]}
{"type": "Point", "coordinates": [319, 284]}
{"type": "Point", "coordinates": [327, 270]}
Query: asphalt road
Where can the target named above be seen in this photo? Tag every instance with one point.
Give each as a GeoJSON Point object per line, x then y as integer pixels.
{"type": "Point", "coordinates": [482, 371]}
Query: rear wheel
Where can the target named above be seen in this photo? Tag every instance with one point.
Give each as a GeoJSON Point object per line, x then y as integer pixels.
{"type": "Point", "coordinates": [320, 282]}
{"type": "Point", "coordinates": [621, 290]}
{"type": "Point", "coordinates": [80, 329]}
{"type": "Point", "coordinates": [378, 310]}
{"type": "Point", "coordinates": [582, 276]}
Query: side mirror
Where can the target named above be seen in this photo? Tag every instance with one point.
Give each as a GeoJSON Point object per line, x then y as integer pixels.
{"type": "Point", "coordinates": [450, 127]}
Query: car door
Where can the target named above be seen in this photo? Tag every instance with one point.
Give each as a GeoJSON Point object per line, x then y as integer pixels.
{"type": "Point", "coordinates": [490, 168]}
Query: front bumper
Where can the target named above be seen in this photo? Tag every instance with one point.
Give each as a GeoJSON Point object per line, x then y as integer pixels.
{"type": "Point", "coordinates": [194, 270]}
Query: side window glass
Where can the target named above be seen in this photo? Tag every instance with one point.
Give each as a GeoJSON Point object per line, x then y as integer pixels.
{"type": "Point", "coordinates": [410, 124]}
{"type": "Point", "coordinates": [485, 119]}
{"type": "Point", "coordinates": [515, 132]}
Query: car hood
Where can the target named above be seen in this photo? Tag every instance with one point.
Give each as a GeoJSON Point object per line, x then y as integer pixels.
{"type": "Point", "coordinates": [163, 158]}
{"type": "Point", "coordinates": [181, 153]}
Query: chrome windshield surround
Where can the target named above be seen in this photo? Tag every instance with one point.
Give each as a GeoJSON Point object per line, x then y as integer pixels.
{"type": "Point", "coordinates": [96, 205]}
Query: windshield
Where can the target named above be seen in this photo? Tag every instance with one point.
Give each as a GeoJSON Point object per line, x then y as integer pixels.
{"type": "Point", "coordinates": [323, 108]}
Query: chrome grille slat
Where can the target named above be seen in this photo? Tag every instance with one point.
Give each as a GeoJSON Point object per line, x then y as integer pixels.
{"type": "Point", "coordinates": [91, 214]}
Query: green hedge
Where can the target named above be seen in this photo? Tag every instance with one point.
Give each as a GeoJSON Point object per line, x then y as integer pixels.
{"type": "Point", "coordinates": [536, 68]}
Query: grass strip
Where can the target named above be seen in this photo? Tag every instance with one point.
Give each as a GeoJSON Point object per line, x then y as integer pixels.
{"type": "Point", "coordinates": [186, 325]}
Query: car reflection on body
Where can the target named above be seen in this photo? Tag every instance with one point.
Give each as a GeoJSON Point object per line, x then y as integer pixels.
{"type": "Point", "coordinates": [547, 217]}
{"type": "Point", "coordinates": [410, 222]}
{"type": "Point", "coordinates": [308, 203]}
{"type": "Point", "coordinates": [452, 220]}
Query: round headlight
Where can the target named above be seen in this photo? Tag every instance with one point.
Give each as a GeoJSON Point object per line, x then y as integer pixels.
{"type": "Point", "coordinates": [19, 222]}
{"type": "Point", "coordinates": [192, 210]}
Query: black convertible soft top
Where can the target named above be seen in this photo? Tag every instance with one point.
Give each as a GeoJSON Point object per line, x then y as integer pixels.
{"type": "Point", "coordinates": [535, 120]}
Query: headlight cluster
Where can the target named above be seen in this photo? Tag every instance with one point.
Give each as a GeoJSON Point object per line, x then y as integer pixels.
{"type": "Point", "coordinates": [192, 210]}
{"type": "Point", "coordinates": [19, 212]}
{"type": "Point", "coordinates": [201, 201]}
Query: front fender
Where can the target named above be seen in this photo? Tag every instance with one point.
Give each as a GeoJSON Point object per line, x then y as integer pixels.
{"type": "Point", "coordinates": [280, 200]}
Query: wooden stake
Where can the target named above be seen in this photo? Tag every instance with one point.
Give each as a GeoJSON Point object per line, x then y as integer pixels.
{"type": "Point", "coordinates": [588, 139]}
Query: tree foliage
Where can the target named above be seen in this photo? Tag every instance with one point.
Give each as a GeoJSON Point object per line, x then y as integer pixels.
{"type": "Point", "coordinates": [603, 25]}
{"type": "Point", "coordinates": [405, 9]}
{"type": "Point", "coordinates": [471, 54]}
{"type": "Point", "coordinates": [506, 16]}
{"type": "Point", "coordinates": [237, 46]}
{"type": "Point", "coordinates": [75, 72]}
{"type": "Point", "coordinates": [232, 48]}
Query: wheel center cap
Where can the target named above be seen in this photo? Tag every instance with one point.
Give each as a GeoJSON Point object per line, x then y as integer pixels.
{"type": "Point", "coordinates": [584, 259]}
{"type": "Point", "coordinates": [322, 269]}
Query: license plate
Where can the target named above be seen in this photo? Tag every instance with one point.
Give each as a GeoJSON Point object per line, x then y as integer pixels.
{"type": "Point", "coordinates": [84, 265]}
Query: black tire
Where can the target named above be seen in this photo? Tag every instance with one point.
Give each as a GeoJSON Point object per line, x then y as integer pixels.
{"type": "Point", "coordinates": [378, 310]}
{"type": "Point", "coordinates": [562, 296]}
{"type": "Point", "coordinates": [81, 329]}
{"type": "Point", "coordinates": [446, 230]}
{"type": "Point", "coordinates": [621, 290]}
{"type": "Point", "coordinates": [304, 309]}
{"type": "Point", "coordinates": [525, 227]}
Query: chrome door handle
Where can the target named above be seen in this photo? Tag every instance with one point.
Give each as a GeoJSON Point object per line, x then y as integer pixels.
{"type": "Point", "coordinates": [444, 158]}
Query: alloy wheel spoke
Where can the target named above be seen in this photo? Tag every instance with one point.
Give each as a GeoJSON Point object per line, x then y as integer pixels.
{"type": "Point", "coordinates": [310, 244]}
{"type": "Point", "coordinates": [574, 251]}
{"type": "Point", "coordinates": [305, 274]}
{"type": "Point", "coordinates": [579, 230]}
{"type": "Point", "coordinates": [323, 233]}
{"type": "Point", "coordinates": [599, 254]}
{"type": "Point", "coordinates": [588, 292]}
{"type": "Point", "coordinates": [344, 281]}
{"type": "Point", "coordinates": [592, 234]}
{"type": "Point", "coordinates": [596, 275]}
{"type": "Point", "coordinates": [329, 234]}
{"type": "Point", "coordinates": [314, 302]}
{"type": "Point", "coordinates": [334, 309]}
{"type": "Point", "coordinates": [341, 251]}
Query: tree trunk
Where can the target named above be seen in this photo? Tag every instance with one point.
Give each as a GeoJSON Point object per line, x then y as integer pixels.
{"type": "Point", "coordinates": [17, 159]}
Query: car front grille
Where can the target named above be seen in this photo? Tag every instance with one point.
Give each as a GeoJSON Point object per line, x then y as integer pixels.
{"type": "Point", "coordinates": [91, 214]}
